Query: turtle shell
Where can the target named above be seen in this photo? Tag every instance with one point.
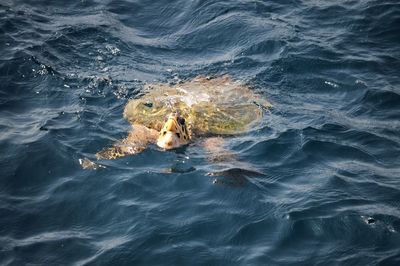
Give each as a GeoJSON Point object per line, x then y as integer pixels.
{"type": "Point", "coordinates": [215, 106]}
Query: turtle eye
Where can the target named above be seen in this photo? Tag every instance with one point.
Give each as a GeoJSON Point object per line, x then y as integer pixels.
{"type": "Point", "coordinates": [148, 104]}
{"type": "Point", "coordinates": [181, 121]}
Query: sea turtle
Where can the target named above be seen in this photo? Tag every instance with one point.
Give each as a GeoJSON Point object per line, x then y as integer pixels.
{"type": "Point", "coordinates": [174, 115]}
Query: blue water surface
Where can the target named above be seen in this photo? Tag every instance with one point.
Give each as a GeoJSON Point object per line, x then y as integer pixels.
{"type": "Point", "coordinates": [328, 150]}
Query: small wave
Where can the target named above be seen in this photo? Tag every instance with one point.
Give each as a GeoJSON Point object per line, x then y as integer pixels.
{"type": "Point", "coordinates": [320, 172]}
{"type": "Point", "coordinates": [379, 103]}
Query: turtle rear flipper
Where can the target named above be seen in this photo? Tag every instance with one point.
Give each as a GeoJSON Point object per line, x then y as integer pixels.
{"type": "Point", "coordinates": [235, 177]}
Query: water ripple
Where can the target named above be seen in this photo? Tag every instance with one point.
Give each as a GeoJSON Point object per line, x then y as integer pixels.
{"type": "Point", "coordinates": [319, 175]}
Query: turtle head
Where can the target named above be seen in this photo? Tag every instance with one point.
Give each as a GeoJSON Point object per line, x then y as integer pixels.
{"type": "Point", "coordinates": [174, 133]}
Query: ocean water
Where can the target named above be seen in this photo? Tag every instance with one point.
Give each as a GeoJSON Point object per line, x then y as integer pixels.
{"type": "Point", "coordinates": [328, 150]}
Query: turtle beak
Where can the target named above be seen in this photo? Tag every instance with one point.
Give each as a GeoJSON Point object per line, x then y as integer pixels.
{"type": "Point", "coordinates": [169, 140]}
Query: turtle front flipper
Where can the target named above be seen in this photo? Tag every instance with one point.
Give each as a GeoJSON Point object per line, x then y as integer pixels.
{"type": "Point", "coordinates": [118, 151]}
{"type": "Point", "coordinates": [232, 172]}
{"type": "Point", "coordinates": [216, 151]}
{"type": "Point", "coordinates": [134, 143]}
